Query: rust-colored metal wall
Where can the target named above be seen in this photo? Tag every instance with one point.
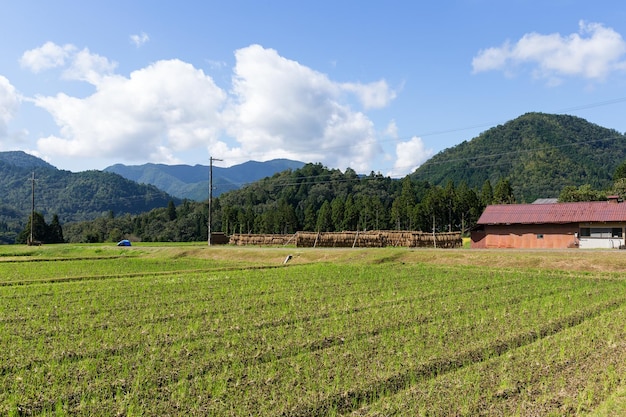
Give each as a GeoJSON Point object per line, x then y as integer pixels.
{"type": "Point", "coordinates": [544, 236]}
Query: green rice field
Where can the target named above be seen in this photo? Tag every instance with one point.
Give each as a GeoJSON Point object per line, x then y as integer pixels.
{"type": "Point", "coordinates": [188, 330]}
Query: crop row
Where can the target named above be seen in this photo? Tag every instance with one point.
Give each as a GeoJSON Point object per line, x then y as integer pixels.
{"type": "Point", "coordinates": [15, 273]}
{"type": "Point", "coordinates": [301, 340]}
{"type": "Point", "coordinates": [568, 373]}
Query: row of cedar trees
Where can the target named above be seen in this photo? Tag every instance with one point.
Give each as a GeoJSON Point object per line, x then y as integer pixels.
{"type": "Point", "coordinates": [312, 198]}
{"type": "Point", "coordinates": [321, 200]}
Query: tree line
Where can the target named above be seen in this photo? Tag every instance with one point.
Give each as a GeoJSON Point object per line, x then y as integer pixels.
{"type": "Point", "coordinates": [314, 198]}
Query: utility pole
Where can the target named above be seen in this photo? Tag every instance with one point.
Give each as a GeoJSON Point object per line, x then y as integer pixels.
{"type": "Point", "coordinates": [32, 209]}
{"type": "Point", "coordinates": [211, 159]}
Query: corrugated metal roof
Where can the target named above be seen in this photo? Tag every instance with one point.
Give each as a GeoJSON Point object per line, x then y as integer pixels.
{"type": "Point", "coordinates": [546, 201]}
{"type": "Point", "coordinates": [592, 211]}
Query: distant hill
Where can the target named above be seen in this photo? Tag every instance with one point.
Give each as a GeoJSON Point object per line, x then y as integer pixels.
{"type": "Point", "coordinates": [192, 182]}
{"type": "Point", "coordinates": [539, 153]}
{"type": "Point", "coordinates": [21, 159]}
{"type": "Point", "coordinates": [72, 196]}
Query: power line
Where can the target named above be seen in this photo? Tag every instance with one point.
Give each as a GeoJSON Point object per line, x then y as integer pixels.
{"type": "Point", "coordinates": [522, 151]}
{"type": "Point", "coordinates": [461, 128]}
{"type": "Point", "coordinates": [443, 162]}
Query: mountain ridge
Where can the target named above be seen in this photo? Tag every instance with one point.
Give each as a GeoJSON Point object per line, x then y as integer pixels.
{"type": "Point", "coordinates": [539, 153]}
{"type": "Point", "coordinates": [72, 196]}
{"type": "Point", "coordinates": [192, 182]}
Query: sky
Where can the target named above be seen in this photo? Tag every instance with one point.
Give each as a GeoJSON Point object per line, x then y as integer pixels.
{"type": "Point", "coordinates": [368, 85]}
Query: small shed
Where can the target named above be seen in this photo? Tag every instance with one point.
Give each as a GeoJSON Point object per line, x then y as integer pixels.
{"type": "Point", "coordinates": [592, 224]}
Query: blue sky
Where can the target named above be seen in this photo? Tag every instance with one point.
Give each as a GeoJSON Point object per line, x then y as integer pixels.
{"type": "Point", "coordinates": [375, 86]}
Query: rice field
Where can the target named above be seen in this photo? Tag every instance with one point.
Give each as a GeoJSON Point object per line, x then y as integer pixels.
{"type": "Point", "coordinates": [229, 331]}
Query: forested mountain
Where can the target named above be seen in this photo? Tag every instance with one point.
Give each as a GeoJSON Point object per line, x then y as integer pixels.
{"type": "Point", "coordinates": [313, 198]}
{"type": "Point", "coordinates": [535, 155]}
{"type": "Point", "coordinates": [21, 159]}
{"type": "Point", "coordinates": [72, 196]}
{"type": "Point", "coordinates": [539, 153]}
{"type": "Point", "coordinates": [192, 182]}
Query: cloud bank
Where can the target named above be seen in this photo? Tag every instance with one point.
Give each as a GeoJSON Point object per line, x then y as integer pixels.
{"type": "Point", "coordinates": [593, 53]}
{"type": "Point", "coordinates": [9, 103]}
{"type": "Point", "coordinates": [275, 107]}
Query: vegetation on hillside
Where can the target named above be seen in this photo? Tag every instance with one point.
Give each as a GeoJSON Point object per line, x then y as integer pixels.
{"type": "Point", "coordinates": [313, 198]}
{"type": "Point", "coordinates": [192, 182]}
{"type": "Point", "coordinates": [586, 192]}
{"type": "Point", "coordinates": [70, 196]}
{"type": "Point", "coordinates": [540, 154]}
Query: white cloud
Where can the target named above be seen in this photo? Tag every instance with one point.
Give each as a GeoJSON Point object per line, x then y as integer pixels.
{"type": "Point", "coordinates": [49, 55]}
{"type": "Point", "coordinates": [276, 108]}
{"type": "Point", "coordinates": [166, 107]}
{"type": "Point", "coordinates": [282, 107]}
{"type": "Point", "coordinates": [374, 95]}
{"type": "Point", "coordinates": [140, 39]}
{"type": "Point", "coordinates": [9, 103]}
{"type": "Point", "coordinates": [409, 156]}
{"type": "Point", "coordinates": [89, 67]}
{"type": "Point", "coordinates": [79, 65]}
{"type": "Point", "coordinates": [592, 53]}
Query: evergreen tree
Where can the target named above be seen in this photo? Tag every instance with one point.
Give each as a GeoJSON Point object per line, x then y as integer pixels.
{"type": "Point", "coordinates": [620, 172]}
{"type": "Point", "coordinates": [486, 194]}
{"type": "Point", "coordinates": [433, 210]}
{"type": "Point", "coordinates": [171, 210]}
{"type": "Point", "coordinates": [40, 230]}
{"type": "Point", "coordinates": [503, 193]}
{"type": "Point", "coordinates": [324, 218]}
{"type": "Point", "coordinates": [351, 215]}
{"type": "Point", "coordinates": [450, 197]}
{"type": "Point", "coordinates": [337, 208]}
{"type": "Point", "coordinates": [310, 218]}
{"type": "Point", "coordinates": [55, 231]}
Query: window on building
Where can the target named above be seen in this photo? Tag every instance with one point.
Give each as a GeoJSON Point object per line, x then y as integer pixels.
{"type": "Point", "coordinates": [601, 232]}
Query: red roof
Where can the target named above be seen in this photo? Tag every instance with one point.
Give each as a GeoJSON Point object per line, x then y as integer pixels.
{"type": "Point", "coordinates": [586, 212]}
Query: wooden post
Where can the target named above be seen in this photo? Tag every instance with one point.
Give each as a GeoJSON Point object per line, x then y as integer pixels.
{"type": "Point", "coordinates": [32, 210]}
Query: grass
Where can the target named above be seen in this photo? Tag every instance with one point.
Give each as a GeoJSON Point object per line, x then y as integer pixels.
{"type": "Point", "coordinates": [192, 330]}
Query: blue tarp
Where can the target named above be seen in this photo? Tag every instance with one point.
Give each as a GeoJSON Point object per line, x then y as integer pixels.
{"type": "Point", "coordinates": [124, 242]}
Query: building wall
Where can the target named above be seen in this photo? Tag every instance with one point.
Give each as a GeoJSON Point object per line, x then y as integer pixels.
{"type": "Point", "coordinates": [603, 243]}
{"type": "Point", "coordinates": [545, 236]}
{"type": "Point", "coordinates": [588, 243]}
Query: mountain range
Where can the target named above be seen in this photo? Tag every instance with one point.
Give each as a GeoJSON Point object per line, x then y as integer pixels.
{"type": "Point", "coordinates": [539, 154]}
{"type": "Point", "coordinates": [72, 196]}
{"type": "Point", "coordinates": [192, 182]}
{"type": "Point", "coordinates": [91, 194]}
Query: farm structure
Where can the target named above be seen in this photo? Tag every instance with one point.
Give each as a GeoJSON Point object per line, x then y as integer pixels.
{"type": "Point", "coordinates": [259, 239]}
{"type": "Point", "coordinates": [365, 239]}
{"type": "Point", "coordinates": [585, 225]}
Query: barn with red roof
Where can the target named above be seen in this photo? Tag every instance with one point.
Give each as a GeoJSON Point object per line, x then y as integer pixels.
{"type": "Point", "coordinates": [591, 224]}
